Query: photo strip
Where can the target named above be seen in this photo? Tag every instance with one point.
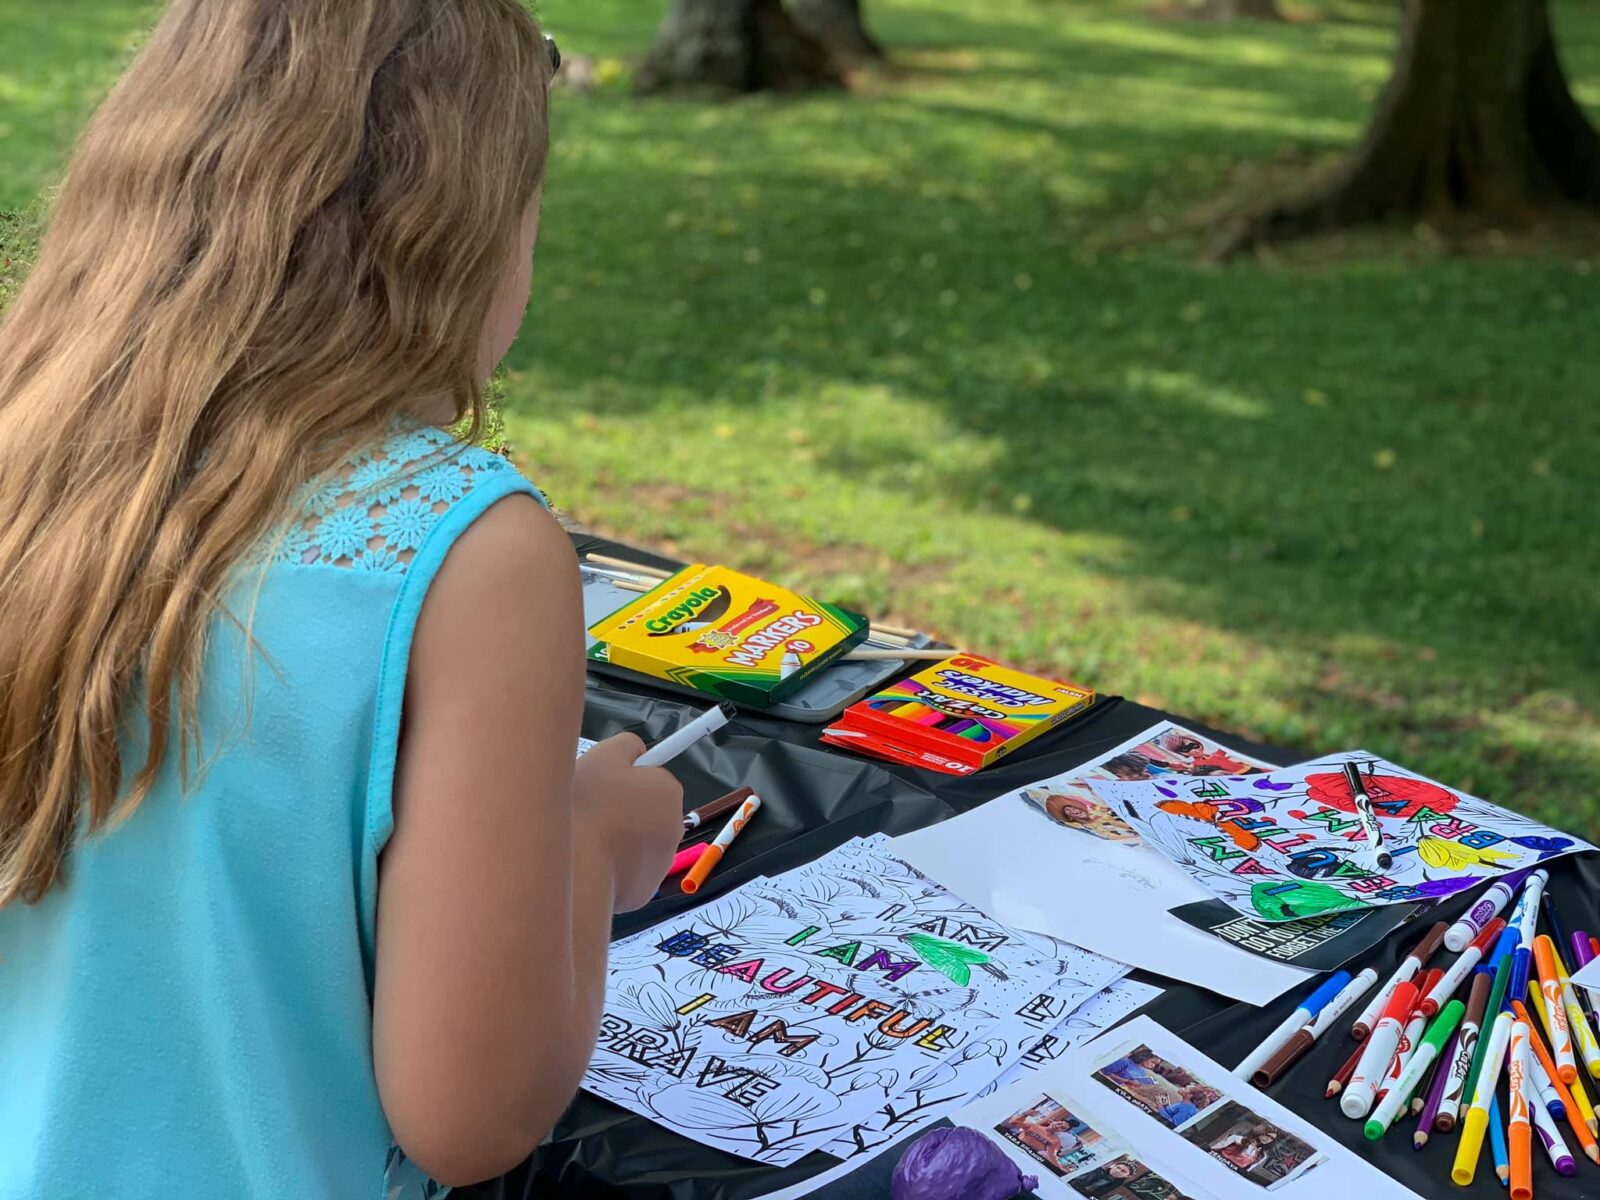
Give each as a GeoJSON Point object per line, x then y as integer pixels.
{"type": "Point", "coordinates": [1170, 1093]}
{"type": "Point", "coordinates": [1051, 1134]}
{"type": "Point", "coordinates": [1125, 1178]}
{"type": "Point", "coordinates": [1250, 1145]}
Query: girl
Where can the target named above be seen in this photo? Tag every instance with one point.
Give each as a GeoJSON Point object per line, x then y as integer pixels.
{"type": "Point", "coordinates": [300, 891]}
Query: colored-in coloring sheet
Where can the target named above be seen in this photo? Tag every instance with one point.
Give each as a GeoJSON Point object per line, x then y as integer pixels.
{"type": "Point", "coordinates": [1287, 844]}
{"type": "Point", "coordinates": [1158, 752]}
{"type": "Point", "coordinates": [1006, 858]}
{"type": "Point", "coordinates": [769, 1020]}
{"type": "Point", "coordinates": [845, 893]}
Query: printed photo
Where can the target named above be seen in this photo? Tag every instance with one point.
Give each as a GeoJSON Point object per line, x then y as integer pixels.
{"type": "Point", "coordinates": [1061, 1141]}
{"type": "Point", "coordinates": [1168, 1092]}
{"type": "Point", "coordinates": [1124, 1178]}
{"type": "Point", "coordinates": [1173, 751]}
{"type": "Point", "coordinates": [1250, 1145]}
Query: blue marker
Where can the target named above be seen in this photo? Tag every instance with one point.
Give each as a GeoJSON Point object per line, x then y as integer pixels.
{"type": "Point", "coordinates": [1521, 968]}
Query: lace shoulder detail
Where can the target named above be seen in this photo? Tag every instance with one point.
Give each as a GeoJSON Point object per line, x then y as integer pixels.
{"type": "Point", "coordinates": [374, 513]}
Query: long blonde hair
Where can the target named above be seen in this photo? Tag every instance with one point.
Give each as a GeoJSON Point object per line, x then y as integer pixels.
{"type": "Point", "coordinates": [283, 228]}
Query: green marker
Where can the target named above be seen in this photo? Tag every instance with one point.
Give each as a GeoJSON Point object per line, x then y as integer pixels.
{"type": "Point", "coordinates": [1497, 993]}
{"type": "Point", "coordinates": [1429, 1049]}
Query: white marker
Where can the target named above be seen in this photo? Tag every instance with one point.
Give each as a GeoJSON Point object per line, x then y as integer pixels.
{"type": "Point", "coordinates": [1344, 1001]}
{"type": "Point", "coordinates": [1302, 1017]}
{"type": "Point", "coordinates": [668, 748]}
{"type": "Point", "coordinates": [1531, 893]}
{"type": "Point", "coordinates": [1459, 970]}
{"type": "Point", "coordinates": [1487, 908]}
{"type": "Point", "coordinates": [1404, 973]}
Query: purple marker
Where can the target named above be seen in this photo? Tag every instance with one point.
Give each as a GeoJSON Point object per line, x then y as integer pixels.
{"type": "Point", "coordinates": [1460, 935]}
{"type": "Point", "coordinates": [1582, 952]}
{"type": "Point", "coordinates": [1550, 1136]}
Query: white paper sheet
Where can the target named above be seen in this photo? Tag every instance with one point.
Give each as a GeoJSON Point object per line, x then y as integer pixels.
{"type": "Point", "coordinates": [1010, 860]}
{"type": "Point", "coordinates": [1298, 1163]}
{"type": "Point", "coordinates": [705, 1031]}
{"type": "Point", "coordinates": [1099, 1013]}
{"type": "Point", "coordinates": [853, 876]}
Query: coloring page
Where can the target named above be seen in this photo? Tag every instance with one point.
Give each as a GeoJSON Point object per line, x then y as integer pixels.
{"type": "Point", "coordinates": [847, 890]}
{"type": "Point", "coordinates": [1288, 844]}
{"type": "Point", "coordinates": [1028, 862]}
{"type": "Point", "coordinates": [777, 1016]}
{"type": "Point", "coordinates": [1091, 1019]}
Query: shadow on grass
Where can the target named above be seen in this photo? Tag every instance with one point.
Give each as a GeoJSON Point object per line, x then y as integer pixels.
{"type": "Point", "coordinates": [1377, 450]}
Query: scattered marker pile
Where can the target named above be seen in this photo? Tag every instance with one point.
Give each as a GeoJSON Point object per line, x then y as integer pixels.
{"type": "Point", "coordinates": [1420, 1051]}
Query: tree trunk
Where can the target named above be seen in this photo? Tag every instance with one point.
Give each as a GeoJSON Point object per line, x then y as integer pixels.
{"type": "Point", "coordinates": [733, 46]}
{"type": "Point", "coordinates": [1477, 125]}
{"type": "Point", "coordinates": [837, 24]}
{"type": "Point", "coordinates": [1232, 10]}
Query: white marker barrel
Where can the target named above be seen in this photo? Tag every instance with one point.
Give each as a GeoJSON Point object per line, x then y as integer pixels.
{"type": "Point", "coordinates": [1487, 908]}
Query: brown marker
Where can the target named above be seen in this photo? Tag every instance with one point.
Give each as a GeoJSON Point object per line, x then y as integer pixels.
{"type": "Point", "coordinates": [1414, 962]}
{"type": "Point", "coordinates": [1269, 1072]}
{"type": "Point", "coordinates": [721, 806]}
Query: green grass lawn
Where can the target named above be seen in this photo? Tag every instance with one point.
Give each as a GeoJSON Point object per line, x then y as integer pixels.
{"type": "Point", "coordinates": [942, 349]}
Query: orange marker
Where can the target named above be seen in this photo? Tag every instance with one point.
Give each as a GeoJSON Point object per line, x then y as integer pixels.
{"type": "Point", "coordinates": [1520, 1122]}
{"type": "Point", "coordinates": [1544, 953]}
{"type": "Point", "coordinates": [1580, 1128]}
{"type": "Point", "coordinates": [714, 852]}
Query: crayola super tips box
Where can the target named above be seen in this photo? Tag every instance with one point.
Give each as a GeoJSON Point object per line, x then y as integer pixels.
{"type": "Point", "coordinates": [958, 716]}
{"type": "Point", "coordinates": [728, 634]}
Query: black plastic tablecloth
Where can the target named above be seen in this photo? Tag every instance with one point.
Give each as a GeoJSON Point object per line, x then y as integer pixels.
{"type": "Point", "coordinates": [816, 798]}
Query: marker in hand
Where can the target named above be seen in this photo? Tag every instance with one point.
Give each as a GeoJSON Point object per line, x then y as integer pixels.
{"type": "Point", "coordinates": [668, 748]}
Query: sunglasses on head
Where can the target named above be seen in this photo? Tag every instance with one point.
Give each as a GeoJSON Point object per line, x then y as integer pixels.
{"type": "Point", "coordinates": [555, 54]}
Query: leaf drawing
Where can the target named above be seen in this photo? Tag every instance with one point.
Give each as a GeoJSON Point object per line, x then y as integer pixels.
{"type": "Point", "coordinates": [950, 959]}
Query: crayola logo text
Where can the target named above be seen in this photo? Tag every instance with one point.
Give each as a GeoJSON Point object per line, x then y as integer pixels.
{"type": "Point", "coordinates": [691, 603]}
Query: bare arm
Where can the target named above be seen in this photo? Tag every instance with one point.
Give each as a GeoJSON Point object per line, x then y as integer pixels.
{"type": "Point", "coordinates": [495, 901]}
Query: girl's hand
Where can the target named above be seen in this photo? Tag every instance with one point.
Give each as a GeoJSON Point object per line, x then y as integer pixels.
{"type": "Point", "coordinates": [636, 814]}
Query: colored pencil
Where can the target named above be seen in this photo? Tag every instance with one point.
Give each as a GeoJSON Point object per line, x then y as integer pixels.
{"type": "Point", "coordinates": [1497, 1143]}
{"type": "Point", "coordinates": [1341, 1077]}
{"type": "Point", "coordinates": [1430, 1106]}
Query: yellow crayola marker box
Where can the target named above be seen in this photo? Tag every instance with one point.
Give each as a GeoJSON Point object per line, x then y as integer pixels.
{"type": "Point", "coordinates": [728, 634]}
{"type": "Point", "coordinates": [957, 717]}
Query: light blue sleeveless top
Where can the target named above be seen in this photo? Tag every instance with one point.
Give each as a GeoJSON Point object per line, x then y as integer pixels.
{"type": "Point", "coordinates": [191, 1014]}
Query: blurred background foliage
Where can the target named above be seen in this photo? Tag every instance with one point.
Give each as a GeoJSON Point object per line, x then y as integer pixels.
{"type": "Point", "coordinates": [952, 344]}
